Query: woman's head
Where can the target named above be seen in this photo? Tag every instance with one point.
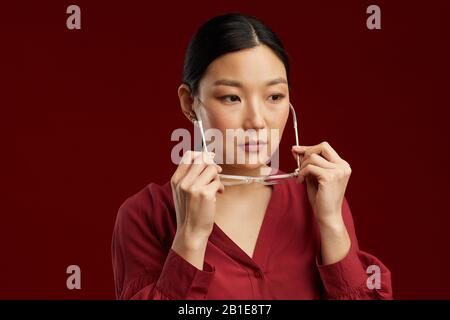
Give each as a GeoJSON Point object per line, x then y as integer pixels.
{"type": "Point", "coordinates": [236, 76]}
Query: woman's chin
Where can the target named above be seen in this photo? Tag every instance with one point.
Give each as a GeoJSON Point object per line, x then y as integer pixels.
{"type": "Point", "coordinates": [251, 166]}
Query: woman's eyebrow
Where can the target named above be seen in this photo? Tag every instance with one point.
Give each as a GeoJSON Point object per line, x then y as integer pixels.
{"type": "Point", "coordinates": [225, 82]}
{"type": "Point", "coordinates": [233, 83]}
{"type": "Point", "coordinates": [276, 81]}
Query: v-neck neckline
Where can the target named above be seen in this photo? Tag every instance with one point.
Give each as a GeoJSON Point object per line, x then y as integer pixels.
{"type": "Point", "coordinates": [264, 239]}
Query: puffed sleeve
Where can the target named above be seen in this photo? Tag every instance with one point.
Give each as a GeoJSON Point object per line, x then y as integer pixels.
{"type": "Point", "coordinates": [146, 269]}
{"type": "Point", "coordinates": [359, 275]}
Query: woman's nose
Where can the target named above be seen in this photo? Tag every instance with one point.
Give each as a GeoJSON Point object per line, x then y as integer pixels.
{"type": "Point", "coordinates": [254, 117]}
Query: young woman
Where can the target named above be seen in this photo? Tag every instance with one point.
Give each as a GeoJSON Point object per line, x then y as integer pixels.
{"type": "Point", "coordinates": [194, 238]}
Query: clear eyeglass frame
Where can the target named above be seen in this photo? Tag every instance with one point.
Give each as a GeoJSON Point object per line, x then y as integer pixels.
{"type": "Point", "coordinates": [231, 180]}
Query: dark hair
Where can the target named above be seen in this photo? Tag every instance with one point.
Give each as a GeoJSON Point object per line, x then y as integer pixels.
{"type": "Point", "coordinates": [223, 34]}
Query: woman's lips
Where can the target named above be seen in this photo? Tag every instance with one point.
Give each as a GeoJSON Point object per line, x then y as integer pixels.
{"type": "Point", "coordinates": [255, 146]}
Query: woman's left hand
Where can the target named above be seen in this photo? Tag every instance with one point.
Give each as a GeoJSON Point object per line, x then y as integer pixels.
{"type": "Point", "coordinates": [326, 175]}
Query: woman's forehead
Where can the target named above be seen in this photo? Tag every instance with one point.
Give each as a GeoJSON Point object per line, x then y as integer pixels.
{"type": "Point", "coordinates": [254, 66]}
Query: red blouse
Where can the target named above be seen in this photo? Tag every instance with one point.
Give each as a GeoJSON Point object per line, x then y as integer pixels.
{"type": "Point", "coordinates": [286, 262]}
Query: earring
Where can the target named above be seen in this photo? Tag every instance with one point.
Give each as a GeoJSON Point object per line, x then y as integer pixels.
{"type": "Point", "coordinates": [193, 117]}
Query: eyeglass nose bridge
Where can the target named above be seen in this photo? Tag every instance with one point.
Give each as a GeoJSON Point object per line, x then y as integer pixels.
{"type": "Point", "coordinates": [257, 179]}
{"type": "Point", "coordinates": [248, 179]}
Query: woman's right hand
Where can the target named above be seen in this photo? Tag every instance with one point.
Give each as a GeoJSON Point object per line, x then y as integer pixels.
{"type": "Point", "coordinates": [195, 184]}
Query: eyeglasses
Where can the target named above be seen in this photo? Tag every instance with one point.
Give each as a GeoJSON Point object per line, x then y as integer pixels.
{"type": "Point", "coordinates": [231, 180]}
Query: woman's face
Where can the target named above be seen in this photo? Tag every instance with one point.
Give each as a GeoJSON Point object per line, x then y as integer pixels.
{"type": "Point", "coordinates": [245, 90]}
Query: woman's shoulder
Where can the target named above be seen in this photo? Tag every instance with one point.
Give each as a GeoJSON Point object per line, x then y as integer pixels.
{"type": "Point", "coordinates": [151, 196]}
{"type": "Point", "coordinates": [151, 206]}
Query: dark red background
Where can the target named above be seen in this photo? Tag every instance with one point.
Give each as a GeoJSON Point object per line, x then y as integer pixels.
{"type": "Point", "coordinates": [88, 116]}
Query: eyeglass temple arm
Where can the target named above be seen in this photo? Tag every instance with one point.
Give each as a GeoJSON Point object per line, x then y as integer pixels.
{"type": "Point", "coordinates": [200, 125]}
{"type": "Point", "coordinates": [294, 117]}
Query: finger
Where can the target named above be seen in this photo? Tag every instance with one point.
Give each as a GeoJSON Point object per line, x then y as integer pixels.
{"type": "Point", "coordinates": [189, 157]}
{"type": "Point", "coordinates": [207, 175]}
{"type": "Point", "coordinates": [323, 149]}
{"type": "Point", "coordinates": [183, 166]}
{"type": "Point", "coordinates": [296, 154]}
{"type": "Point", "coordinates": [315, 171]}
{"type": "Point", "coordinates": [204, 157]}
{"type": "Point", "coordinates": [317, 160]}
{"type": "Point", "coordinates": [215, 186]}
{"type": "Point", "coordinates": [200, 162]}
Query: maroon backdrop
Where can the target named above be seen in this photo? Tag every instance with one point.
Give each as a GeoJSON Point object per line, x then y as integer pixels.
{"type": "Point", "coordinates": [88, 116]}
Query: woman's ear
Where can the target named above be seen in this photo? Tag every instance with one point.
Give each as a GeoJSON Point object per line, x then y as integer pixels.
{"type": "Point", "coordinates": [186, 101]}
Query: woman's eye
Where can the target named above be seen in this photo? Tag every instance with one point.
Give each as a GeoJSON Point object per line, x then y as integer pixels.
{"type": "Point", "coordinates": [276, 97]}
{"type": "Point", "coordinates": [230, 98]}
